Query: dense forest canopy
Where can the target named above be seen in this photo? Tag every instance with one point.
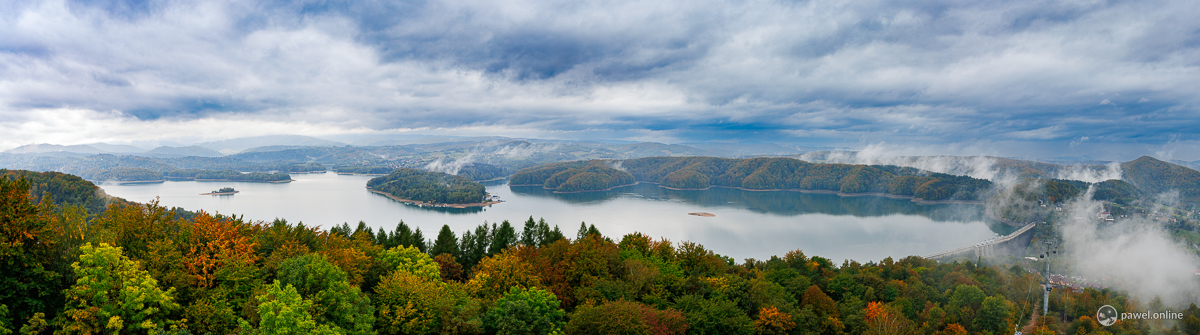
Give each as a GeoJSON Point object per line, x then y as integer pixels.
{"type": "Point", "coordinates": [227, 175]}
{"type": "Point", "coordinates": [63, 189]}
{"type": "Point", "coordinates": [141, 268]}
{"type": "Point", "coordinates": [361, 169]}
{"type": "Point", "coordinates": [1155, 176]}
{"type": "Point", "coordinates": [481, 171]}
{"type": "Point", "coordinates": [574, 176]}
{"type": "Point", "coordinates": [755, 174]}
{"type": "Point", "coordinates": [128, 174]}
{"type": "Point", "coordinates": [428, 186]}
{"type": "Point", "coordinates": [791, 174]}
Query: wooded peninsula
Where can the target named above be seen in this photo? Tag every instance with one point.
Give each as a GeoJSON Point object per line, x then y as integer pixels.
{"type": "Point", "coordinates": [699, 173]}
{"type": "Point", "coordinates": [429, 187]}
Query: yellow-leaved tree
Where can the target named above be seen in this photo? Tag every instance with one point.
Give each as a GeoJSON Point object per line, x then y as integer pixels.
{"type": "Point", "coordinates": [114, 295]}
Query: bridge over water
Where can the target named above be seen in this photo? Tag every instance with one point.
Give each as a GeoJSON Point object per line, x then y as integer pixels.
{"type": "Point", "coordinates": [1009, 245]}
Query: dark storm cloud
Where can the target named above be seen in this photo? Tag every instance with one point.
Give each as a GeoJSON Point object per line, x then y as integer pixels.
{"type": "Point", "coordinates": [829, 72]}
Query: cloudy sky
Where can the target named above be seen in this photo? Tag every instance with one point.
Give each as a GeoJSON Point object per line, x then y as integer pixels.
{"type": "Point", "coordinates": [1093, 79]}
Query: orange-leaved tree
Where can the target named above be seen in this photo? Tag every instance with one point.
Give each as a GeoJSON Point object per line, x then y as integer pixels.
{"type": "Point", "coordinates": [219, 245]}
{"type": "Point", "coordinates": [772, 321]}
{"type": "Point", "coordinates": [884, 319]}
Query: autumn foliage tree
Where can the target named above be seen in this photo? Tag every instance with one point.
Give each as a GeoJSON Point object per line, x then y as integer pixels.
{"type": "Point", "coordinates": [883, 319]}
{"type": "Point", "coordinates": [113, 294]}
{"type": "Point", "coordinates": [626, 317]}
{"type": "Point", "coordinates": [28, 283]}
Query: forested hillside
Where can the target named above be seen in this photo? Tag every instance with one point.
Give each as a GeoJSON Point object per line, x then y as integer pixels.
{"type": "Point", "coordinates": [63, 189]}
{"type": "Point", "coordinates": [573, 176]}
{"type": "Point", "coordinates": [369, 169]}
{"type": "Point", "coordinates": [128, 174]}
{"type": "Point", "coordinates": [129, 168]}
{"type": "Point", "coordinates": [758, 174]}
{"type": "Point", "coordinates": [1155, 176]}
{"type": "Point", "coordinates": [481, 171]}
{"type": "Point", "coordinates": [142, 269]}
{"type": "Point", "coordinates": [227, 175]}
{"type": "Point", "coordinates": [428, 186]}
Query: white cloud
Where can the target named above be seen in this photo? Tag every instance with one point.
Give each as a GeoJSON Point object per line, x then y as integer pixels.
{"type": "Point", "coordinates": [831, 71]}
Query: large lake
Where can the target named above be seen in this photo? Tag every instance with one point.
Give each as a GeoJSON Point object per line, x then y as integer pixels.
{"type": "Point", "coordinates": [747, 224]}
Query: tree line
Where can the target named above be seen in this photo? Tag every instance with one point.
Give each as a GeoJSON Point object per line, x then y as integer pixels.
{"type": "Point", "coordinates": [755, 174]}
{"type": "Point", "coordinates": [774, 173]}
{"type": "Point", "coordinates": [428, 186]}
{"type": "Point", "coordinates": [231, 175]}
{"type": "Point", "coordinates": [128, 174]}
{"type": "Point", "coordinates": [573, 176]}
{"type": "Point", "coordinates": [1155, 176]}
{"type": "Point", "coordinates": [481, 171]}
{"type": "Point", "coordinates": [142, 268]}
{"type": "Point", "coordinates": [372, 169]}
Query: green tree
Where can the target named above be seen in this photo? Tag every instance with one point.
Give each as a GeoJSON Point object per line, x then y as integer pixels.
{"type": "Point", "coordinates": [446, 243]}
{"type": "Point", "coordinates": [525, 311]}
{"type": "Point", "coordinates": [530, 236]}
{"type": "Point", "coordinates": [335, 302]}
{"type": "Point", "coordinates": [502, 238]}
{"type": "Point", "coordinates": [965, 302]}
{"type": "Point", "coordinates": [113, 294]}
{"type": "Point", "coordinates": [993, 315]}
{"type": "Point", "coordinates": [714, 316]}
{"type": "Point", "coordinates": [5, 325]}
{"type": "Point", "coordinates": [283, 311]}
{"type": "Point", "coordinates": [411, 260]}
{"type": "Point", "coordinates": [405, 236]}
{"type": "Point", "coordinates": [547, 235]}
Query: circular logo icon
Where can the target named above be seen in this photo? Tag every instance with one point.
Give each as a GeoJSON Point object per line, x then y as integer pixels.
{"type": "Point", "coordinates": [1106, 316]}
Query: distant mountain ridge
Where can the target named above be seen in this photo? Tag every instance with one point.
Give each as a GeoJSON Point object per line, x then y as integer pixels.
{"type": "Point", "coordinates": [236, 145]}
{"type": "Point", "coordinates": [504, 156]}
{"type": "Point", "coordinates": [1142, 177]}
{"type": "Point", "coordinates": [1156, 176]}
{"type": "Point", "coordinates": [193, 151]}
{"type": "Point", "coordinates": [49, 148]}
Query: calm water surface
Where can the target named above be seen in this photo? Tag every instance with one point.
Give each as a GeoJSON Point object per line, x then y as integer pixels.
{"type": "Point", "coordinates": [747, 224]}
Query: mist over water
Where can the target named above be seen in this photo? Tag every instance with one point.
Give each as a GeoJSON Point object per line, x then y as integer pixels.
{"type": "Point", "coordinates": [450, 167]}
{"type": "Point", "coordinates": [747, 224]}
{"type": "Point", "coordinates": [1133, 254]}
{"type": "Point", "coordinates": [981, 167]}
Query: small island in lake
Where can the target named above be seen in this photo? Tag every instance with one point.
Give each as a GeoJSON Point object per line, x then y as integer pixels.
{"type": "Point", "coordinates": [703, 214]}
{"type": "Point", "coordinates": [222, 191]}
{"type": "Point", "coordinates": [428, 188]}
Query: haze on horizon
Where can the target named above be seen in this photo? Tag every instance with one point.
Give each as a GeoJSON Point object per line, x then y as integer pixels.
{"type": "Point", "coordinates": [1103, 80]}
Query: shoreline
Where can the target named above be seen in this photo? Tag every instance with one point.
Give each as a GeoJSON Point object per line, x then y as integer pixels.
{"type": "Point", "coordinates": [840, 194]}
{"type": "Point", "coordinates": [358, 174]}
{"type": "Point", "coordinates": [123, 182]}
{"type": "Point", "coordinates": [245, 181]}
{"type": "Point", "coordinates": [421, 203]}
{"type": "Point", "coordinates": [607, 189]}
{"type": "Point", "coordinates": [221, 193]}
{"type": "Point", "coordinates": [990, 215]}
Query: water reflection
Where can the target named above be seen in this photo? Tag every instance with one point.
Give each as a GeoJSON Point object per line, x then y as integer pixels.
{"type": "Point", "coordinates": [747, 224]}
{"type": "Point", "coordinates": [786, 203]}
